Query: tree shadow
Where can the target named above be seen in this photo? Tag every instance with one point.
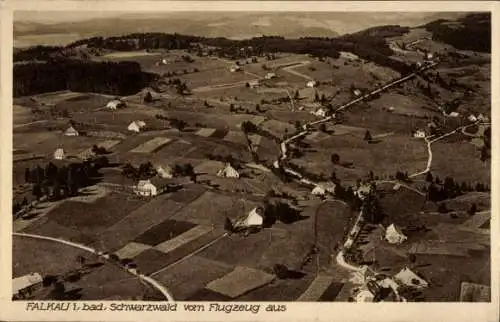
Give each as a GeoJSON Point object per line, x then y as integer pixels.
{"type": "Point", "coordinates": [295, 275]}
{"type": "Point", "coordinates": [31, 216]}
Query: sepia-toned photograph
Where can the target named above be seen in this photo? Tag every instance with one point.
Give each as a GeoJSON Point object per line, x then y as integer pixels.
{"type": "Point", "coordinates": [251, 156]}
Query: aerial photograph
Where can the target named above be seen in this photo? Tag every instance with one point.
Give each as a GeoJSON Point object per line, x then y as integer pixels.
{"type": "Point", "coordinates": [251, 156]}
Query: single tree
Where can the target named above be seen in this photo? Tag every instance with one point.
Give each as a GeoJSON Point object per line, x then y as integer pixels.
{"type": "Point", "coordinates": [335, 158]}
{"type": "Point", "coordinates": [443, 209]}
{"type": "Point", "coordinates": [484, 153]}
{"type": "Point", "coordinates": [368, 136]}
{"type": "Point", "coordinates": [37, 191]}
{"type": "Point", "coordinates": [27, 175]}
{"type": "Point", "coordinates": [148, 98]}
{"type": "Point", "coordinates": [228, 225]}
{"type": "Point", "coordinates": [281, 271]}
{"type": "Point", "coordinates": [472, 210]}
{"type": "Point", "coordinates": [429, 177]}
{"type": "Point", "coordinates": [333, 177]}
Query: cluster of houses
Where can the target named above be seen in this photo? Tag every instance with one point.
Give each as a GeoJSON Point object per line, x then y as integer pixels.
{"type": "Point", "coordinates": [254, 83]}
{"type": "Point", "coordinates": [148, 188]}
{"type": "Point", "coordinates": [478, 118]}
{"type": "Point", "coordinates": [379, 287]}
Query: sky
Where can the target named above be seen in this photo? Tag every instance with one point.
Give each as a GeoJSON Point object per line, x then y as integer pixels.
{"type": "Point", "coordinates": [62, 27]}
{"type": "Point", "coordinates": [68, 16]}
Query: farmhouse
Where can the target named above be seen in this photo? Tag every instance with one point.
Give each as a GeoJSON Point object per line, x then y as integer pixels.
{"type": "Point", "coordinates": [364, 295]}
{"type": "Point", "coordinates": [59, 154]}
{"type": "Point", "coordinates": [25, 284]}
{"type": "Point", "coordinates": [145, 188]}
{"type": "Point", "coordinates": [255, 219]}
{"type": "Point", "coordinates": [228, 172]}
{"type": "Point", "coordinates": [388, 283]}
{"type": "Point", "coordinates": [114, 104]}
{"type": "Point", "coordinates": [270, 76]}
{"type": "Point", "coordinates": [254, 83]}
{"type": "Point", "coordinates": [348, 55]}
{"type": "Point", "coordinates": [362, 191]}
{"type": "Point", "coordinates": [407, 277]}
{"type": "Point", "coordinates": [453, 114]}
{"type": "Point", "coordinates": [311, 83]}
{"type": "Point", "coordinates": [318, 191]}
{"type": "Point", "coordinates": [429, 56]}
{"type": "Point", "coordinates": [164, 173]}
{"type": "Point", "coordinates": [356, 92]}
{"type": "Point", "coordinates": [71, 132]}
{"type": "Point", "coordinates": [136, 126]}
{"type": "Point", "coordinates": [482, 118]}
{"type": "Point", "coordinates": [472, 118]}
{"type": "Point", "coordinates": [320, 112]}
{"type": "Point", "coordinates": [419, 134]}
{"type": "Point", "coordinates": [393, 235]}
{"type": "Point", "coordinates": [235, 68]}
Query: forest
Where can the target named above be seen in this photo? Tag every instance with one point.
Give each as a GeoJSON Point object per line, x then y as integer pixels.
{"type": "Point", "coordinates": [123, 78]}
{"type": "Point", "coordinates": [472, 33]}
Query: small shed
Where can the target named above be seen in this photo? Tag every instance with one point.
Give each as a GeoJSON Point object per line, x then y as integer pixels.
{"type": "Point", "coordinates": [318, 191]}
{"type": "Point", "coordinates": [115, 104]}
{"type": "Point", "coordinates": [394, 235]}
{"type": "Point", "coordinates": [59, 154]}
{"type": "Point", "coordinates": [311, 84]}
{"type": "Point", "coordinates": [145, 188]}
{"type": "Point", "coordinates": [408, 277]}
{"type": "Point", "coordinates": [228, 172]}
{"type": "Point", "coordinates": [71, 132]}
{"type": "Point", "coordinates": [419, 134]}
{"type": "Point", "coordinates": [270, 76]}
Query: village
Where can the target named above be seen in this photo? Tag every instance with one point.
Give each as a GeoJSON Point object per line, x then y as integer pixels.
{"type": "Point", "coordinates": [273, 177]}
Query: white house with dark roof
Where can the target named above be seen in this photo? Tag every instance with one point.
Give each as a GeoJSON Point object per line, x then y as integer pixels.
{"type": "Point", "coordinates": [115, 104]}
{"type": "Point", "coordinates": [59, 154]}
{"type": "Point", "coordinates": [71, 132]}
{"type": "Point", "coordinates": [145, 188]}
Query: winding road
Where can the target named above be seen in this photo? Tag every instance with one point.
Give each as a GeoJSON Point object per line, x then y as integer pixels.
{"type": "Point", "coordinates": [166, 293]}
{"type": "Point", "coordinates": [280, 163]}
{"type": "Point", "coordinates": [430, 140]}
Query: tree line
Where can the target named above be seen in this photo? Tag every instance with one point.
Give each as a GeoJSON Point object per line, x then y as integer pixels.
{"type": "Point", "coordinates": [368, 46]}
{"type": "Point", "coordinates": [473, 32]}
{"type": "Point", "coordinates": [439, 190]}
{"type": "Point", "coordinates": [64, 181]}
{"type": "Point", "coordinates": [115, 78]}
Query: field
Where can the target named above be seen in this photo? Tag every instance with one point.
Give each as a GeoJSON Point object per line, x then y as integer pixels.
{"type": "Point", "coordinates": [183, 236]}
{"type": "Point", "coordinates": [103, 281]}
